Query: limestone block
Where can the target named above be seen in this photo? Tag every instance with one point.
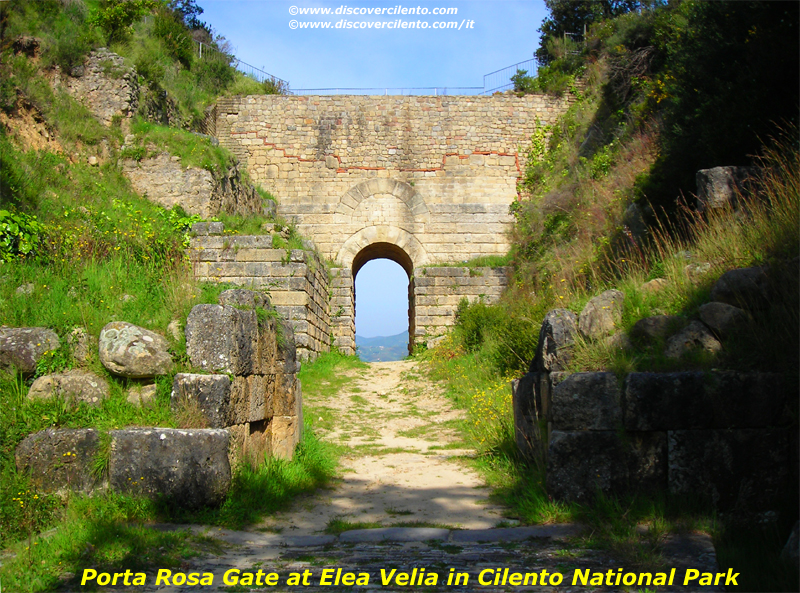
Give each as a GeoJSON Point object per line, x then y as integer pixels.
{"type": "Point", "coordinates": [740, 469]}
{"type": "Point", "coordinates": [58, 460]}
{"type": "Point", "coordinates": [722, 318]}
{"type": "Point", "coordinates": [556, 338]}
{"type": "Point", "coordinates": [692, 337]}
{"type": "Point", "coordinates": [587, 401]}
{"type": "Point", "coordinates": [747, 288]}
{"type": "Point", "coordinates": [211, 393]}
{"type": "Point", "coordinates": [601, 315]}
{"type": "Point", "coordinates": [579, 464]}
{"type": "Point", "coordinates": [22, 347]}
{"type": "Point", "coordinates": [527, 406]}
{"type": "Point", "coordinates": [187, 467]}
{"type": "Point", "coordinates": [75, 386]}
{"type": "Point", "coordinates": [687, 400]}
{"type": "Point", "coordinates": [285, 434]}
{"type": "Point", "coordinates": [657, 327]}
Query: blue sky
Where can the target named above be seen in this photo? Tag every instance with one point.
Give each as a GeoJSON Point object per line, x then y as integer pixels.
{"type": "Point", "coordinates": [503, 32]}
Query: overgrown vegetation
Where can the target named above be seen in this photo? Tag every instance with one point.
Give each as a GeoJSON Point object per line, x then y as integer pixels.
{"type": "Point", "coordinates": [607, 202]}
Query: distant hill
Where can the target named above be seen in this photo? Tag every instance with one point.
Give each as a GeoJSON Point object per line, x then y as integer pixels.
{"type": "Point", "coordinates": [382, 348]}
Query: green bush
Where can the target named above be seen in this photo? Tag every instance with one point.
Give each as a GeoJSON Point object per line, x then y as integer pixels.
{"type": "Point", "coordinates": [20, 234]}
{"type": "Point", "coordinates": [174, 36]}
{"type": "Point", "coordinates": [116, 17]}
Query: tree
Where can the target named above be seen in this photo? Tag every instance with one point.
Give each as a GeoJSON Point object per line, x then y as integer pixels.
{"type": "Point", "coordinates": [571, 16]}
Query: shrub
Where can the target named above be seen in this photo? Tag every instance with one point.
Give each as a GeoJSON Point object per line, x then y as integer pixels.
{"type": "Point", "coordinates": [20, 234]}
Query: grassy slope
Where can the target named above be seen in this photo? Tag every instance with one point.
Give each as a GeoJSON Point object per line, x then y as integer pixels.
{"type": "Point", "coordinates": [103, 253]}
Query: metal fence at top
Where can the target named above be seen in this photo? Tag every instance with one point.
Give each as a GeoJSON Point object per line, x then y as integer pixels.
{"type": "Point", "coordinates": [435, 91]}
{"type": "Point", "coordinates": [500, 80]}
{"type": "Point", "coordinates": [206, 52]}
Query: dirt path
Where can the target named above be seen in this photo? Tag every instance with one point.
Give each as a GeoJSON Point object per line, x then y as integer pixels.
{"type": "Point", "coordinates": [404, 463]}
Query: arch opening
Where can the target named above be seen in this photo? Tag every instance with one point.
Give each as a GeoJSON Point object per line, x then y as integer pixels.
{"type": "Point", "coordinates": [377, 252]}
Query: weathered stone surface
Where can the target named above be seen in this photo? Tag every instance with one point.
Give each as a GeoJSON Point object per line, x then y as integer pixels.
{"type": "Point", "coordinates": [720, 186]}
{"type": "Point", "coordinates": [724, 399]}
{"type": "Point", "coordinates": [187, 467]}
{"type": "Point", "coordinates": [285, 434]}
{"type": "Point", "coordinates": [211, 393]}
{"type": "Point", "coordinates": [657, 326]}
{"type": "Point", "coordinates": [618, 342]}
{"type": "Point", "coordinates": [141, 395]}
{"type": "Point", "coordinates": [134, 352]}
{"type": "Point", "coordinates": [692, 337]}
{"type": "Point", "coordinates": [602, 315]}
{"type": "Point", "coordinates": [104, 84]}
{"type": "Point", "coordinates": [745, 287]}
{"type": "Point", "coordinates": [58, 460]}
{"type": "Point", "coordinates": [248, 299]}
{"type": "Point", "coordinates": [791, 551]}
{"type": "Point", "coordinates": [526, 395]}
{"type": "Point", "coordinates": [556, 338]}
{"type": "Point", "coordinates": [198, 191]}
{"type": "Point", "coordinates": [723, 318]}
{"type": "Point", "coordinates": [22, 347]}
{"type": "Point", "coordinates": [75, 386]}
{"type": "Point", "coordinates": [579, 464]}
{"type": "Point", "coordinates": [587, 401]}
{"type": "Point", "coordinates": [738, 470]}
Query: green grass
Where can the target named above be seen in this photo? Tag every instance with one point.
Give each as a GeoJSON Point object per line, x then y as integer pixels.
{"type": "Point", "coordinates": [326, 376]}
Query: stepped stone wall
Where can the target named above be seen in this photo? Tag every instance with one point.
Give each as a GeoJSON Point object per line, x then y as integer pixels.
{"type": "Point", "coordinates": [297, 280]}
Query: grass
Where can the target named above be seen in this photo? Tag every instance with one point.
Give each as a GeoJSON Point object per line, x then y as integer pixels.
{"type": "Point", "coordinates": [328, 374]}
{"type": "Point", "coordinates": [109, 531]}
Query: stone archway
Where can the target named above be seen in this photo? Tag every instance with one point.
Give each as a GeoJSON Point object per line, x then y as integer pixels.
{"type": "Point", "coordinates": [382, 242]}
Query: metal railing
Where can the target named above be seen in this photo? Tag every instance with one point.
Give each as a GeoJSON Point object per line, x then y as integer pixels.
{"type": "Point", "coordinates": [206, 52]}
{"type": "Point", "coordinates": [435, 91]}
{"type": "Point", "coordinates": [500, 80]}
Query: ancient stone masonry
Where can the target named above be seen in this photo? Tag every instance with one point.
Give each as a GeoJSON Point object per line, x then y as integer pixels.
{"type": "Point", "coordinates": [104, 84]}
{"type": "Point", "coordinates": [321, 308]}
{"type": "Point", "coordinates": [728, 436]}
{"type": "Point", "coordinates": [437, 173]}
{"type": "Point", "coordinates": [296, 280]}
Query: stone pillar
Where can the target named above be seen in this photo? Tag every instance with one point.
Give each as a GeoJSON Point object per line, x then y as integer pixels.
{"type": "Point", "coordinates": [343, 310]}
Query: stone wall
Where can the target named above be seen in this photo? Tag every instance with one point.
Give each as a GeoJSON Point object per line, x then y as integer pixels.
{"type": "Point", "coordinates": [437, 292]}
{"type": "Point", "coordinates": [165, 181]}
{"type": "Point", "coordinates": [296, 280]}
{"type": "Point", "coordinates": [434, 175]}
{"type": "Point", "coordinates": [104, 84]}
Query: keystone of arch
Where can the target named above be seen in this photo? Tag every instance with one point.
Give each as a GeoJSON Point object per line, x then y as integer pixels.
{"type": "Point", "coordinates": [380, 185]}
{"type": "Point", "coordinates": [392, 236]}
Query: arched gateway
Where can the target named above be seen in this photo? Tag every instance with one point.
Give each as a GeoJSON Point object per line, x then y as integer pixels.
{"type": "Point", "coordinates": [426, 181]}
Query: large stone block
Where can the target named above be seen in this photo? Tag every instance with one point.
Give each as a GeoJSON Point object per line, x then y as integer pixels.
{"type": "Point", "coordinates": [587, 401]}
{"type": "Point", "coordinates": [741, 470]}
{"type": "Point", "coordinates": [22, 347]}
{"type": "Point", "coordinates": [724, 399]}
{"type": "Point", "coordinates": [602, 315]}
{"type": "Point", "coordinates": [189, 468]}
{"type": "Point", "coordinates": [222, 338]}
{"type": "Point", "coordinates": [210, 393]}
{"type": "Point", "coordinates": [526, 393]}
{"type": "Point", "coordinates": [75, 386]}
{"type": "Point", "coordinates": [747, 288]}
{"type": "Point", "coordinates": [581, 464]}
{"type": "Point", "coordinates": [60, 460]}
{"type": "Point", "coordinates": [556, 339]}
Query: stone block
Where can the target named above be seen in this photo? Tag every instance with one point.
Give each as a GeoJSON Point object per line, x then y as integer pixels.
{"type": "Point", "coordinates": [285, 434]}
{"type": "Point", "coordinates": [581, 464]}
{"type": "Point", "coordinates": [602, 315]}
{"type": "Point", "coordinates": [526, 394]}
{"type": "Point", "coordinates": [22, 347]}
{"type": "Point", "coordinates": [740, 470]}
{"type": "Point", "coordinates": [188, 468]}
{"type": "Point", "coordinates": [60, 460]}
{"type": "Point", "coordinates": [211, 393]}
{"type": "Point", "coordinates": [587, 401]}
{"type": "Point", "coordinates": [747, 288]}
{"type": "Point", "coordinates": [724, 399]}
{"type": "Point", "coordinates": [556, 338]}
{"type": "Point", "coordinates": [75, 386]}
